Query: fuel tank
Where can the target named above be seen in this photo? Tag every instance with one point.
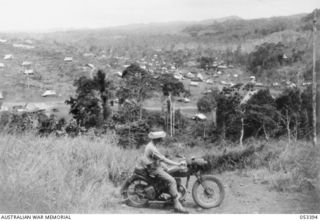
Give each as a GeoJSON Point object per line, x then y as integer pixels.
{"type": "Point", "coordinates": [178, 171]}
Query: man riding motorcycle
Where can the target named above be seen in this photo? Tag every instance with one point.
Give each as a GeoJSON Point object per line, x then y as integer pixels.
{"type": "Point", "coordinates": [153, 160]}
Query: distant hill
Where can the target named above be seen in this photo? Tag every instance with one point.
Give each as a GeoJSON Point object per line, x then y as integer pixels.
{"type": "Point", "coordinates": [120, 32]}
{"type": "Point", "coordinates": [240, 29]}
{"type": "Point", "coordinates": [222, 33]}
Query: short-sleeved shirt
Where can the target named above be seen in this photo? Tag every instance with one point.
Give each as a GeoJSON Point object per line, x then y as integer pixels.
{"type": "Point", "coordinates": [151, 158]}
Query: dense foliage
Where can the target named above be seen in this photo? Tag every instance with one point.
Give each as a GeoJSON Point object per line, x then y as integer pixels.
{"type": "Point", "coordinates": [266, 56]}
{"type": "Point", "coordinates": [288, 114]}
{"type": "Point", "coordinates": [90, 107]}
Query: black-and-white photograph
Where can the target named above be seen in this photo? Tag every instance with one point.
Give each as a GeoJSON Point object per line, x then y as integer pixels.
{"type": "Point", "coordinates": [159, 107]}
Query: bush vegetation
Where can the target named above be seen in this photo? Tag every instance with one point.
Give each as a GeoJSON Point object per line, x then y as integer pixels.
{"type": "Point", "coordinates": [82, 174]}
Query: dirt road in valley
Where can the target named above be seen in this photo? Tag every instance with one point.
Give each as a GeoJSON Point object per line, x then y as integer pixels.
{"type": "Point", "coordinates": [244, 195]}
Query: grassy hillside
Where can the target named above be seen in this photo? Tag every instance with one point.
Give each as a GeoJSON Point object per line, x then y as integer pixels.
{"type": "Point", "coordinates": [77, 175]}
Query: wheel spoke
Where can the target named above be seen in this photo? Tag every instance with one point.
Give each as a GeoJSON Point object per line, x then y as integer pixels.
{"type": "Point", "coordinates": [208, 192]}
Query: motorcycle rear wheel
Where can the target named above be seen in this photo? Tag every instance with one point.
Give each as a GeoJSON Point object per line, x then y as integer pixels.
{"type": "Point", "coordinates": [133, 193]}
{"type": "Point", "coordinates": [208, 192]}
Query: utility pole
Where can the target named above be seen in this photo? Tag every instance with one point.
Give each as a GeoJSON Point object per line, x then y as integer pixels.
{"type": "Point", "coordinates": [314, 81]}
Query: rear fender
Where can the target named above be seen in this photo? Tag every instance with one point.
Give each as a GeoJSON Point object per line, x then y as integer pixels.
{"type": "Point", "coordinates": [130, 180]}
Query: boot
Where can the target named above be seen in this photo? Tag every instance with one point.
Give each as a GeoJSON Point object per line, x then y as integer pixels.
{"type": "Point", "coordinates": [178, 208]}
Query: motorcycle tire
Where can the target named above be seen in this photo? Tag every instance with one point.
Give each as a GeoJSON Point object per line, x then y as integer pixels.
{"type": "Point", "coordinates": [128, 200]}
{"type": "Point", "coordinates": [196, 196]}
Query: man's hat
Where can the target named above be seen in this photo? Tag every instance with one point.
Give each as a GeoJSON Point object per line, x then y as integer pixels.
{"type": "Point", "coordinates": [157, 135]}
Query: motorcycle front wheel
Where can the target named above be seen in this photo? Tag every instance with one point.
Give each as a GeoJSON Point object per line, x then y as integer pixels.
{"type": "Point", "coordinates": [208, 192]}
{"type": "Point", "coordinates": [134, 193]}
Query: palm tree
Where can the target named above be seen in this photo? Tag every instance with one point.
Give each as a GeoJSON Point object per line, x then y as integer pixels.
{"type": "Point", "coordinates": [105, 88]}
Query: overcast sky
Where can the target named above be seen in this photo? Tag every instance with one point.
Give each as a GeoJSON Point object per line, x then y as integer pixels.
{"type": "Point", "coordinates": [44, 15]}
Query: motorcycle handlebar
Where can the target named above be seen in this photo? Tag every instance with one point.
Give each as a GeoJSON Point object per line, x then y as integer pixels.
{"type": "Point", "coordinates": [191, 160]}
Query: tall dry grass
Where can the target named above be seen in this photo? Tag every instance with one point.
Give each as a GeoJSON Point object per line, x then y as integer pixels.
{"type": "Point", "coordinates": [50, 175]}
{"type": "Point", "coordinates": [82, 174]}
{"type": "Point", "coordinates": [287, 166]}
{"type": "Point", "coordinates": [295, 166]}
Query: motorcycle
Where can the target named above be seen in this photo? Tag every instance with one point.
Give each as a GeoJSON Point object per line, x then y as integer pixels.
{"type": "Point", "coordinates": [142, 189]}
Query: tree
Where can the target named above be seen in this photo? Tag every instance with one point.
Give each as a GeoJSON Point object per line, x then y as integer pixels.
{"type": "Point", "coordinates": [208, 102]}
{"type": "Point", "coordinates": [242, 116]}
{"type": "Point", "coordinates": [261, 116]}
{"type": "Point", "coordinates": [137, 85]}
{"type": "Point", "coordinates": [289, 105]}
{"type": "Point", "coordinates": [170, 87]}
{"type": "Point", "coordinates": [228, 119]}
{"type": "Point", "coordinates": [105, 88]}
{"type": "Point", "coordinates": [90, 105]}
{"type": "Point", "coordinates": [265, 57]}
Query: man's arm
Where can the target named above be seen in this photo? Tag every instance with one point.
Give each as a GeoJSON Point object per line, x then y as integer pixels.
{"type": "Point", "coordinates": [171, 162]}
{"type": "Point", "coordinates": [162, 158]}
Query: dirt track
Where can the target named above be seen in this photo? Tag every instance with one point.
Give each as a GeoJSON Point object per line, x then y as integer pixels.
{"type": "Point", "coordinates": [244, 194]}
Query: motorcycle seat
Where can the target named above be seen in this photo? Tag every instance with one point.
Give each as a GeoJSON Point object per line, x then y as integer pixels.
{"type": "Point", "coordinates": [141, 172]}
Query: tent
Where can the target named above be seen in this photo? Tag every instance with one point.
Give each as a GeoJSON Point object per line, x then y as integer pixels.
{"type": "Point", "coordinates": [178, 76]}
{"type": "Point", "coordinates": [207, 91]}
{"type": "Point", "coordinates": [222, 67]}
{"type": "Point", "coordinates": [49, 93]}
{"type": "Point", "coordinates": [223, 82]}
{"type": "Point", "coordinates": [276, 84]}
{"type": "Point", "coordinates": [29, 72]}
{"type": "Point", "coordinates": [8, 57]}
{"type": "Point", "coordinates": [192, 83]}
{"type": "Point", "coordinates": [199, 117]}
{"type": "Point", "coordinates": [209, 81]}
{"type": "Point", "coordinates": [90, 66]}
{"type": "Point", "coordinates": [252, 79]}
{"type": "Point", "coordinates": [68, 59]}
{"type": "Point", "coordinates": [119, 73]}
{"type": "Point", "coordinates": [88, 54]}
{"type": "Point", "coordinates": [184, 100]}
{"type": "Point", "coordinates": [26, 63]}
{"type": "Point", "coordinates": [190, 75]}
{"type": "Point", "coordinates": [258, 84]}
{"type": "Point", "coordinates": [200, 77]}
{"type": "Point", "coordinates": [306, 83]}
